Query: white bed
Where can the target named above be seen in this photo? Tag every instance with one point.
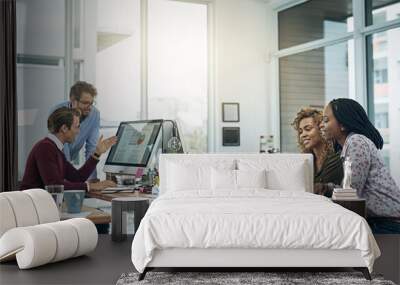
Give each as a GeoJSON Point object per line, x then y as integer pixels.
{"type": "Point", "coordinates": [214, 223]}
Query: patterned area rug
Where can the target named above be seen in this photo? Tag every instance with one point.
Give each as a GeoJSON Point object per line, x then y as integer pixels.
{"type": "Point", "coordinates": [225, 278]}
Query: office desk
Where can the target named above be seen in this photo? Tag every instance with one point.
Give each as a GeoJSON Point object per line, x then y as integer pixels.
{"type": "Point", "coordinates": [99, 215]}
{"type": "Point", "coordinates": [109, 197]}
{"type": "Point", "coordinates": [93, 214]}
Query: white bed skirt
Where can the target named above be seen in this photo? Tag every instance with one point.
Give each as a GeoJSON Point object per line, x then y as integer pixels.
{"type": "Point", "coordinates": [190, 257]}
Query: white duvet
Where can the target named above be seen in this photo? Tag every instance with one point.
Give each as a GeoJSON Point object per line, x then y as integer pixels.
{"type": "Point", "coordinates": [251, 218]}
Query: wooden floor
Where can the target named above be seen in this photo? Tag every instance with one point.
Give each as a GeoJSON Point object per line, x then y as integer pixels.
{"type": "Point", "coordinates": [388, 264]}
{"type": "Point", "coordinates": [111, 259]}
{"type": "Point", "coordinates": [102, 266]}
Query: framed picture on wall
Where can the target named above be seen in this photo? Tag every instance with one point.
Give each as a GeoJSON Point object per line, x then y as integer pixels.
{"type": "Point", "coordinates": [230, 112]}
{"type": "Point", "coordinates": [231, 136]}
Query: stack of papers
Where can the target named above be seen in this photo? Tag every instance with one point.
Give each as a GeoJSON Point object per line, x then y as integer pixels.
{"type": "Point", "coordinates": [344, 194]}
{"type": "Point", "coordinates": [118, 189]}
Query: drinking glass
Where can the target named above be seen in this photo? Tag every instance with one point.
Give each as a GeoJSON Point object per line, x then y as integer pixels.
{"type": "Point", "coordinates": [57, 192]}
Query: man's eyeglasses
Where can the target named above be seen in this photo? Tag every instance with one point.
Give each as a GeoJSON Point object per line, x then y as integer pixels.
{"type": "Point", "coordinates": [87, 104]}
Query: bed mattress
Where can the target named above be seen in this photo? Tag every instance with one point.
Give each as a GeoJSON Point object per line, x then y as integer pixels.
{"type": "Point", "coordinates": [250, 219]}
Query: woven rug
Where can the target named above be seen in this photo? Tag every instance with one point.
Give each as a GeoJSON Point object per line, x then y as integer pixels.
{"type": "Point", "coordinates": [228, 278]}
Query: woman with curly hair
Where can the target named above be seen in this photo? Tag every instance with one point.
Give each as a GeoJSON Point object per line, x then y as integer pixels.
{"type": "Point", "coordinates": [328, 169]}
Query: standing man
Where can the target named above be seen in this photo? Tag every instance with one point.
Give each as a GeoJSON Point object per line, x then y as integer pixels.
{"type": "Point", "coordinates": [47, 164]}
{"type": "Point", "coordinates": [81, 97]}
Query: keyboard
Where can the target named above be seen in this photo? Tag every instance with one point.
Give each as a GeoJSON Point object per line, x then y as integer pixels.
{"type": "Point", "coordinates": [118, 189]}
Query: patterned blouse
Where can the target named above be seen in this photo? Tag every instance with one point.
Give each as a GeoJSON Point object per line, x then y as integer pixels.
{"type": "Point", "coordinates": [371, 177]}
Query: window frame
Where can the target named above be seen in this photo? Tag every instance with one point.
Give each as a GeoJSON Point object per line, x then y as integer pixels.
{"type": "Point", "coordinates": [72, 54]}
{"type": "Point", "coordinates": [211, 99]}
{"type": "Point", "coordinates": [359, 34]}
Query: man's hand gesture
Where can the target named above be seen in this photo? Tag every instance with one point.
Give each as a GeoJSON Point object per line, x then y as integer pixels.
{"type": "Point", "coordinates": [103, 145]}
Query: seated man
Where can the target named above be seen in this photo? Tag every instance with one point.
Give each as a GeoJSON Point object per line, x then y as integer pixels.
{"type": "Point", "coordinates": [47, 164]}
{"type": "Point", "coordinates": [82, 95]}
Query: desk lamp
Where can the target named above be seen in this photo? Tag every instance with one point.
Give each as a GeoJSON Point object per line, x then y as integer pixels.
{"type": "Point", "coordinates": [174, 144]}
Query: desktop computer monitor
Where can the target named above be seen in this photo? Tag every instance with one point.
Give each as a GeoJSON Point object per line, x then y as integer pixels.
{"type": "Point", "coordinates": [138, 141]}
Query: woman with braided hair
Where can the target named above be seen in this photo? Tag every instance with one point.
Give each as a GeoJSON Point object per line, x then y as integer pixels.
{"type": "Point", "coordinates": [346, 122]}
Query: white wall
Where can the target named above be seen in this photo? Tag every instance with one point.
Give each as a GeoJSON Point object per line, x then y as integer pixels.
{"type": "Point", "coordinates": [242, 69]}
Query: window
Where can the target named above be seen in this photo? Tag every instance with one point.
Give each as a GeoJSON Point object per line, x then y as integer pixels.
{"type": "Point", "coordinates": [369, 73]}
{"type": "Point", "coordinates": [384, 90]}
{"type": "Point", "coordinates": [118, 61]}
{"type": "Point", "coordinates": [77, 45]}
{"type": "Point", "coordinates": [379, 17]}
{"type": "Point", "coordinates": [40, 72]}
{"type": "Point", "coordinates": [380, 76]}
{"type": "Point", "coordinates": [314, 20]}
{"type": "Point", "coordinates": [380, 70]}
{"type": "Point", "coordinates": [78, 66]}
{"type": "Point", "coordinates": [311, 79]}
{"type": "Point", "coordinates": [177, 68]}
{"type": "Point", "coordinates": [176, 64]}
{"type": "Point", "coordinates": [382, 120]}
{"type": "Point", "coordinates": [77, 28]}
{"type": "Point", "coordinates": [381, 11]}
{"type": "Point", "coordinates": [381, 46]}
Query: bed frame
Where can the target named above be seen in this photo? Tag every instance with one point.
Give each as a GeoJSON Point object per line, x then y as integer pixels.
{"type": "Point", "coordinates": [242, 259]}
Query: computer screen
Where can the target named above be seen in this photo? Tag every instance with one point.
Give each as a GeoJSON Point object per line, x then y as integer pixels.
{"type": "Point", "coordinates": [135, 146]}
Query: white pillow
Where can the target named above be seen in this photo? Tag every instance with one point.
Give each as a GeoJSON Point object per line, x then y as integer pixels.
{"type": "Point", "coordinates": [294, 179]}
{"type": "Point", "coordinates": [281, 174]}
{"type": "Point", "coordinates": [184, 177]}
{"type": "Point", "coordinates": [223, 179]}
{"type": "Point", "coordinates": [251, 178]}
{"type": "Point", "coordinates": [221, 163]}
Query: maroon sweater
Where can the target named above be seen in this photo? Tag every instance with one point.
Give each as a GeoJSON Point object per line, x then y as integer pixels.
{"type": "Point", "coordinates": [47, 165]}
